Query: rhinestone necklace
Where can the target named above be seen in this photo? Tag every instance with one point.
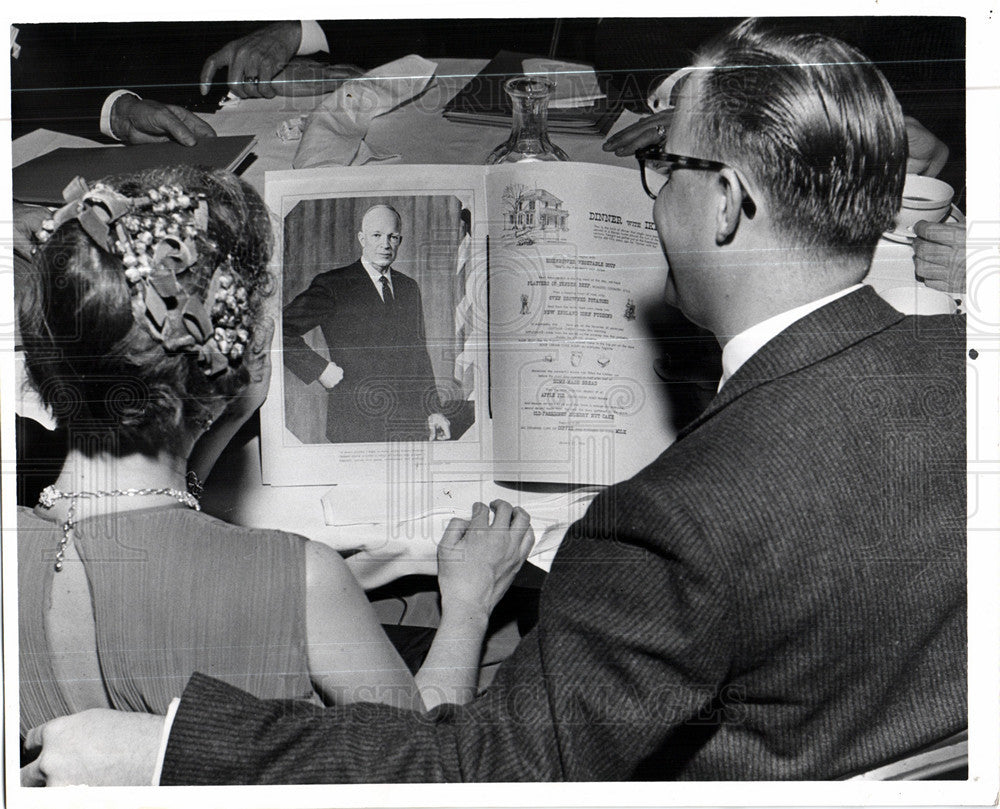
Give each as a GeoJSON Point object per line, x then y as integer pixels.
{"type": "Point", "coordinates": [50, 494]}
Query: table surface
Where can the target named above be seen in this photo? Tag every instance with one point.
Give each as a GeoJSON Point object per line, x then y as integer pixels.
{"type": "Point", "coordinates": [421, 135]}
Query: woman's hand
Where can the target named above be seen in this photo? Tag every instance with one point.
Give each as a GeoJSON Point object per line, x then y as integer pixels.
{"type": "Point", "coordinates": [478, 560]}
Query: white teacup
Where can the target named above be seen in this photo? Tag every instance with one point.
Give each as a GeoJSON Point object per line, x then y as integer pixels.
{"type": "Point", "coordinates": [924, 199]}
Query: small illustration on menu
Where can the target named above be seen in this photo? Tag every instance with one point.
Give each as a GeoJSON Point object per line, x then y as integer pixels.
{"type": "Point", "coordinates": [532, 215]}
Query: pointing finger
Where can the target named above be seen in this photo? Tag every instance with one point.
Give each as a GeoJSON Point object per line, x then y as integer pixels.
{"type": "Point", "coordinates": [210, 68]}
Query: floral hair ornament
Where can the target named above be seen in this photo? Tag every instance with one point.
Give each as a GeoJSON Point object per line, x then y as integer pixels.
{"type": "Point", "coordinates": [156, 238]}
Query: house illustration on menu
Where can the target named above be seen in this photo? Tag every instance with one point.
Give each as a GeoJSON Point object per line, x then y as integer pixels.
{"type": "Point", "coordinates": [532, 215]}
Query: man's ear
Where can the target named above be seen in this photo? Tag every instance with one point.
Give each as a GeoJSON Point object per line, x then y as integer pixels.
{"type": "Point", "coordinates": [730, 206]}
{"type": "Point", "coordinates": [361, 238]}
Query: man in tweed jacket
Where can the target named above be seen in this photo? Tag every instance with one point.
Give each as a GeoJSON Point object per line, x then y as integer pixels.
{"type": "Point", "coordinates": [781, 595]}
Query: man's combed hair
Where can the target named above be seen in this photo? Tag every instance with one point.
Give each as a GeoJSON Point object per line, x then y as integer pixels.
{"type": "Point", "coordinates": [88, 353]}
{"type": "Point", "coordinates": [814, 124]}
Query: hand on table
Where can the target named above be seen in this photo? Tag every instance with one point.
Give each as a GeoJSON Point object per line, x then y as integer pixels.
{"type": "Point", "coordinates": [139, 120]}
{"type": "Point", "coordinates": [96, 747]}
{"type": "Point", "coordinates": [254, 60]}
{"type": "Point", "coordinates": [939, 255]}
{"type": "Point", "coordinates": [477, 561]}
{"type": "Point", "coordinates": [651, 129]}
{"type": "Point", "coordinates": [927, 154]}
{"type": "Point", "coordinates": [439, 426]}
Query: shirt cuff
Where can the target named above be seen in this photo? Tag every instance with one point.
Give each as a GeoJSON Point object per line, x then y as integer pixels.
{"type": "Point", "coordinates": [109, 102]}
{"type": "Point", "coordinates": [168, 722]}
{"type": "Point", "coordinates": [313, 39]}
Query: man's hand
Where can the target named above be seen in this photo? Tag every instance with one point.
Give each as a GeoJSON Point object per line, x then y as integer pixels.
{"type": "Point", "coordinates": [650, 130]}
{"type": "Point", "coordinates": [254, 60]}
{"type": "Point", "coordinates": [439, 426]}
{"type": "Point", "coordinates": [96, 747]}
{"type": "Point", "coordinates": [138, 120]}
{"type": "Point", "coordinates": [939, 255]}
{"type": "Point", "coordinates": [927, 154]}
{"type": "Point", "coordinates": [331, 376]}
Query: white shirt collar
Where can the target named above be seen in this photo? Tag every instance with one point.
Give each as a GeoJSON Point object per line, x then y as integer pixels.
{"type": "Point", "coordinates": [375, 274]}
{"type": "Point", "coordinates": [747, 343]}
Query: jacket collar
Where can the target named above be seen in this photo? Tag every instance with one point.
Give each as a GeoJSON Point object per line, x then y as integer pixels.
{"type": "Point", "coordinates": [820, 334]}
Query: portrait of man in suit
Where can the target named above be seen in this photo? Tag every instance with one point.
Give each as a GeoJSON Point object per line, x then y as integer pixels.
{"type": "Point", "coordinates": [379, 379]}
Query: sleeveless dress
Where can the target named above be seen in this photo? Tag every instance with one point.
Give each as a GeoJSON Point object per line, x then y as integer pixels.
{"type": "Point", "coordinates": [174, 591]}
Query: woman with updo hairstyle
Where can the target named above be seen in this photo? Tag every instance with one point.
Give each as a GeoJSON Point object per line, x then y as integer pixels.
{"type": "Point", "coordinates": [144, 334]}
{"type": "Point", "coordinates": [94, 363]}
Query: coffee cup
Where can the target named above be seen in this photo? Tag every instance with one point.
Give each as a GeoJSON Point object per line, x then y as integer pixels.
{"type": "Point", "coordinates": [924, 199]}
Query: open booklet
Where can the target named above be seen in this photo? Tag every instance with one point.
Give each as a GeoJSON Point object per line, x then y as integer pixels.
{"type": "Point", "coordinates": [518, 313]}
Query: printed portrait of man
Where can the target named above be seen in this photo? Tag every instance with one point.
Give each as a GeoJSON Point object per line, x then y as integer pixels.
{"type": "Point", "coordinates": [356, 336]}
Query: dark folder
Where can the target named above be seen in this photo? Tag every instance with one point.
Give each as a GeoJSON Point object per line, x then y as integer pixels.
{"type": "Point", "coordinates": [43, 179]}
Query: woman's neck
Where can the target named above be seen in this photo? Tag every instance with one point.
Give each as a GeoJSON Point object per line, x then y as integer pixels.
{"type": "Point", "coordinates": [104, 472]}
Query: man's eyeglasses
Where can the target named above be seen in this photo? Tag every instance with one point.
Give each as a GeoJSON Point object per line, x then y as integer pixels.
{"type": "Point", "coordinates": [656, 166]}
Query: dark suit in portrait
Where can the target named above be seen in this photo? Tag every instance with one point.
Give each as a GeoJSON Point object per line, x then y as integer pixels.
{"type": "Point", "coordinates": [388, 389]}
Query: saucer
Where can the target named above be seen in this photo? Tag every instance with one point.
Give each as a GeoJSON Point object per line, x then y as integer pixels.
{"type": "Point", "coordinates": [907, 236]}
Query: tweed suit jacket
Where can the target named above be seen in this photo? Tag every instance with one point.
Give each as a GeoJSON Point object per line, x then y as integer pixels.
{"type": "Point", "coordinates": [388, 389]}
{"type": "Point", "coordinates": [781, 595]}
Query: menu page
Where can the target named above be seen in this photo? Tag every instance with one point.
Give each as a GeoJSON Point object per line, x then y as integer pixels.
{"type": "Point", "coordinates": [575, 264]}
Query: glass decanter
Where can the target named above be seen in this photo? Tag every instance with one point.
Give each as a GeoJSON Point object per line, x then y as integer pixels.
{"type": "Point", "coordinates": [529, 133]}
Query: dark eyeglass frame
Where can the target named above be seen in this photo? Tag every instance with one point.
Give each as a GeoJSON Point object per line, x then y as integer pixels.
{"type": "Point", "coordinates": [679, 161]}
